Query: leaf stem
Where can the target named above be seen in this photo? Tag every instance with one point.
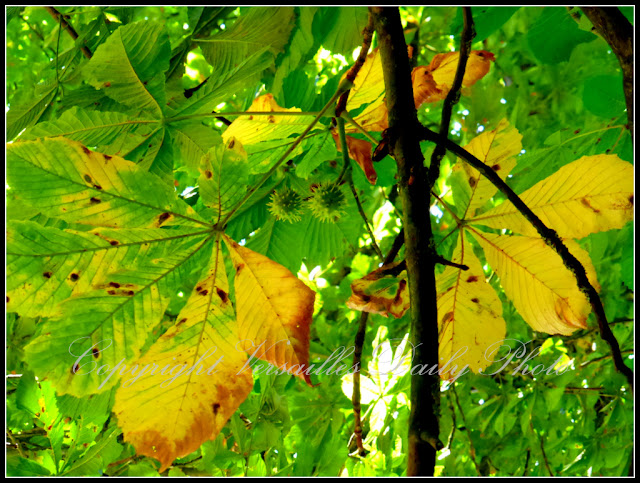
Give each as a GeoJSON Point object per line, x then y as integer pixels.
{"type": "Point", "coordinates": [244, 113]}
{"type": "Point", "coordinates": [355, 124]}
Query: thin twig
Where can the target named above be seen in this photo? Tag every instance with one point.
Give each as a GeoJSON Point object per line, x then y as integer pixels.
{"type": "Point", "coordinates": [552, 239]}
{"type": "Point", "coordinates": [468, 33]}
{"type": "Point", "coordinates": [70, 30]}
{"type": "Point", "coordinates": [443, 261]}
{"type": "Point", "coordinates": [544, 454]}
{"type": "Point", "coordinates": [352, 73]}
{"type": "Point", "coordinates": [347, 173]}
{"type": "Point", "coordinates": [454, 424]}
{"type": "Point", "coordinates": [363, 215]}
{"type": "Point", "coordinates": [357, 354]}
{"type": "Point", "coordinates": [355, 397]}
{"type": "Point", "coordinates": [395, 248]}
{"type": "Point", "coordinates": [472, 450]}
{"type": "Point", "coordinates": [586, 363]}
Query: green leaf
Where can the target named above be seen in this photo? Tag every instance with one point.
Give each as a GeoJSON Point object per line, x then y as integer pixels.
{"type": "Point", "coordinates": [315, 151]}
{"type": "Point", "coordinates": [261, 27]}
{"type": "Point", "coordinates": [129, 67]}
{"type": "Point", "coordinates": [281, 241]}
{"type": "Point", "coordinates": [340, 29]}
{"type": "Point", "coordinates": [108, 132]}
{"type": "Point", "coordinates": [107, 324]}
{"type": "Point", "coordinates": [29, 112]}
{"type": "Point", "coordinates": [79, 185]}
{"type": "Point", "coordinates": [554, 35]}
{"type": "Point", "coordinates": [298, 49]}
{"type": "Point", "coordinates": [191, 142]}
{"type": "Point", "coordinates": [486, 20]}
{"type": "Point", "coordinates": [603, 95]}
{"type": "Point", "coordinates": [223, 177]}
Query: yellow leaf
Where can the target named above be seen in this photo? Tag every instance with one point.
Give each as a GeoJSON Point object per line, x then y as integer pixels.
{"type": "Point", "coordinates": [432, 83]}
{"type": "Point", "coordinates": [542, 289]}
{"type": "Point", "coordinates": [253, 129]}
{"type": "Point", "coordinates": [198, 382]}
{"type": "Point", "coordinates": [383, 291]}
{"type": "Point", "coordinates": [469, 315]}
{"type": "Point", "coordinates": [374, 118]}
{"type": "Point", "coordinates": [369, 83]}
{"type": "Point", "coordinates": [498, 149]}
{"type": "Point", "coordinates": [425, 89]}
{"type": "Point", "coordinates": [444, 68]}
{"type": "Point", "coordinates": [274, 310]}
{"type": "Point", "coordinates": [592, 194]}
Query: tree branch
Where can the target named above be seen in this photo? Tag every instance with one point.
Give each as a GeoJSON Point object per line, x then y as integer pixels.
{"type": "Point", "coordinates": [414, 193]}
{"type": "Point", "coordinates": [617, 31]}
{"type": "Point", "coordinates": [352, 73]}
{"type": "Point", "coordinates": [67, 26]}
{"type": "Point", "coordinates": [453, 96]}
{"type": "Point", "coordinates": [551, 238]}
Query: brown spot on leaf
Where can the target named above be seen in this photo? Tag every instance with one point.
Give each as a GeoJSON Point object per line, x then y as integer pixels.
{"type": "Point", "coordinates": [576, 131]}
{"type": "Point", "coordinates": [631, 200]}
{"type": "Point", "coordinates": [163, 217]}
{"type": "Point", "coordinates": [111, 292]}
{"type": "Point", "coordinates": [472, 278]}
{"type": "Point", "coordinates": [7, 299]}
{"type": "Point", "coordinates": [95, 352]}
{"type": "Point", "coordinates": [114, 284]}
{"type": "Point", "coordinates": [204, 292]}
{"type": "Point", "coordinates": [86, 177]}
{"type": "Point", "coordinates": [223, 295]}
{"type": "Point", "coordinates": [107, 157]}
{"type": "Point", "coordinates": [239, 267]}
{"type": "Point", "coordinates": [47, 274]}
{"type": "Point", "coordinates": [182, 321]}
{"type": "Point", "coordinates": [95, 201]}
{"type": "Point", "coordinates": [216, 408]}
{"type": "Point", "coordinates": [231, 144]}
{"type": "Point", "coordinates": [86, 150]}
{"type": "Point", "coordinates": [114, 242]}
{"type": "Point", "coordinates": [495, 167]}
{"type": "Point", "coordinates": [475, 300]}
{"type": "Point", "coordinates": [208, 174]}
{"type": "Point", "coordinates": [130, 293]}
{"type": "Point", "coordinates": [74, 277]}
{"type": "Point", "coordinates": [585, 202]}
{"type": "Point", "coordinates": [472, 182]}
{"type": "Point", "coordinates": [97, 186]}
{"type": "Point", "coordinates": [447, 317]}
{"type": "Point", "coordinates": [107, 84]}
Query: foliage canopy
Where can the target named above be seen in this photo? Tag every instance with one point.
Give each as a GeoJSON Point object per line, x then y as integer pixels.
{"type": "Point", "coordinates": [153, 229]}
